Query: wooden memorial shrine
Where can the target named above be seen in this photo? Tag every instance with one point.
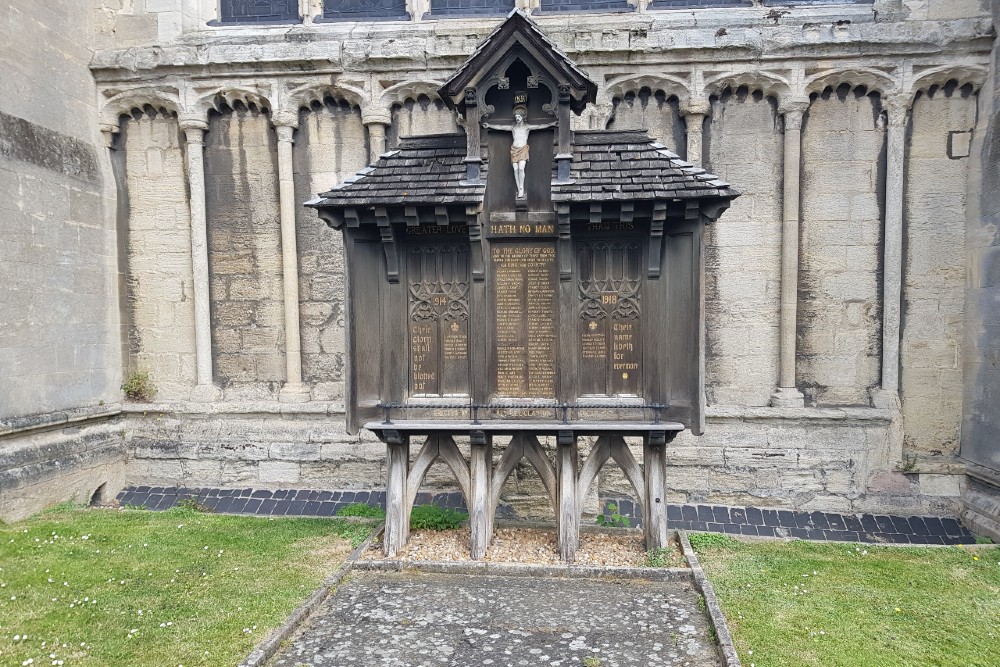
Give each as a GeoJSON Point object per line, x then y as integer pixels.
{"type": "Point", "coordinates": [524, 280]}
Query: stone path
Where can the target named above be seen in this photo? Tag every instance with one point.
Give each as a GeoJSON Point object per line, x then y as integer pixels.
{"type": "Point", "coordinates": [413, 619]}
{"type": "Point", "coordinates": [762, 522]}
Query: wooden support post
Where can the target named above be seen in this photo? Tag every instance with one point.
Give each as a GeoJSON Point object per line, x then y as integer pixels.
{"type": "Point", "coordinates": [654, 506]}
{"type": "Point", "coordinates": [397, 524]}
{"type": "Point", "coordinates": [568, 516]}
{"type": "Point", "coordinates": [480, 516]}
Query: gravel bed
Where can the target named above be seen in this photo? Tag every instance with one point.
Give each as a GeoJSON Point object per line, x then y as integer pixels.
{"type": "Point", "coordinates": [531, 546]}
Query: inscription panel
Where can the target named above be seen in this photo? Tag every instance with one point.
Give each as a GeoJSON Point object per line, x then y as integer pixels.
{"type": "Point", "coordinates": [525, 280]}
{"type": "Point", "coordinates": [438, 283]}
{"type": "Point", "coordinates": [610, 340]}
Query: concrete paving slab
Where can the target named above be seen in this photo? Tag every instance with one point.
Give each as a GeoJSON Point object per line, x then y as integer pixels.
{"type": "Point", "coordinates": [413, 619]}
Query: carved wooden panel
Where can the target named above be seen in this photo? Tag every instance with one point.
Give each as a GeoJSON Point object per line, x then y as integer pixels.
{"type": "Point", "coordinates": [610, 324]}
{"type": "Point", "coordinates": [525, 280]}
{"type": "Point", "coordinates": [438, 294]}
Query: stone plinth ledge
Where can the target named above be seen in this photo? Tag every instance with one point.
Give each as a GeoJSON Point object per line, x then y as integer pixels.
{"type": "Point", "coordinates": [13, 425]}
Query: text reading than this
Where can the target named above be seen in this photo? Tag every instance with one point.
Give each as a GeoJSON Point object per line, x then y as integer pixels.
{"type": "Point", "coordinates": [525, 278]}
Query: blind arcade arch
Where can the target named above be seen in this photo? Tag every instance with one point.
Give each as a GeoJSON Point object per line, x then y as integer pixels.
{"type": "Point", "coordinates": [571, 308]}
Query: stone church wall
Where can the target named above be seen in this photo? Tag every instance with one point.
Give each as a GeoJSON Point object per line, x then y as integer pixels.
{"type": "Point", "coordinates": [840, 282]}
{"type": "Point", "coordinates": [244, 244]}
{"type": "Point", "coordinates": [981, 352]}
{"type": "Point", "coordinates": [656, 111]}
{"type": "Point", "coordinates": [934, 270]}
{"type": "Point", "coordinates": [420, 116]}
{"type": "Point", "coordinates": [330, 146]}
{"type": "Point", "coordinates": [60, 343]}
{"type": "Point", "coordinates": [656, 70]}
{"type": "Point", "coordinates": [159, 287]}
{"type": "Point", "coordinates": [743, 260]}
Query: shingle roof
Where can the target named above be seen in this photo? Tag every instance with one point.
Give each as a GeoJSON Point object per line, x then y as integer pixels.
{"type": "Point", "coordinates": [423, 170]}
{"type": "Point", "coordinates": [628, 165]}
{"type": "Point", "coordinates": [504, 36]}
{"type": "Point", "coordinates": [606, 166]}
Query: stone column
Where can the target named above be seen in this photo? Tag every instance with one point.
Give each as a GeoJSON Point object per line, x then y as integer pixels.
{"type": "Point", "coordinates": [377, 121]}
{"type": "Point", "coordinates": [694, 118]}
{"type": "Point", "coordinates": [194, 133]}
{"type": "Point", "coordinates": [293, 390]}
{"type": "Point", "coordinates": [787, 395]}
{"type": "Point", "coordinates": [897, 109]}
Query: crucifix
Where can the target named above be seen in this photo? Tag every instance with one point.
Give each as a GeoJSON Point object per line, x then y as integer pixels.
{"type": "Point", "coordinates": [519, 149]}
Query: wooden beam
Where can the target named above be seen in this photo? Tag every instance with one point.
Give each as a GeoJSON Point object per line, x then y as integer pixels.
{"type": "Point", "coordinates": [397, 520]}
{"type": "Point", "coordinates": [654, 266]}
{"type": "Point", "coordinates": [388, 236]}
{"type": "Point", "coordinates": [480, 517]}
{"type": "Point", "coordinates": [654, 505]}
{"type": "Point", "coordinates": [569, 522]}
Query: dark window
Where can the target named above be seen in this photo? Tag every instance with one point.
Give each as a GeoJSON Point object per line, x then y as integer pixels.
{"type": "Point", "coordinates": [585, 6]}
{"type": "Point", "coordinates": [470, 7]}
{"type": "Point", "coordinates": [792, 3]}
{"type": "Point", "coordinates": [698, 4]}
{"type": "Point", "coordinates": [260, 11]}
{"type": "Point", "coordinates": [350, 10]}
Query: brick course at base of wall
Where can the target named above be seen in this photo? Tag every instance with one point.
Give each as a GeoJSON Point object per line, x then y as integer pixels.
{"type": "Point", "coordinates": [752, 521]}
{"type": "Point", "coordinates": [831, 460]}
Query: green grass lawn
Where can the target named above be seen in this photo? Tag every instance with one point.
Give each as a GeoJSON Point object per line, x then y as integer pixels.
{"type": "Point", "coordinates": [799, 604]}
{"type": "Point", "coordinates": [109, 588]}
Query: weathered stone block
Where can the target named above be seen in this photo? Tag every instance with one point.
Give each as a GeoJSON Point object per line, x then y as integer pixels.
{"type": "Point", "coordinates": [295, 451]}
{"type": "Point", "coordinates": [941, 485]}
{"type": "Point", "coordinates": [276, 472]}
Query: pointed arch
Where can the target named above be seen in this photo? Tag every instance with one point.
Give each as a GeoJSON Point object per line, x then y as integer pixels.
{"type": "Point", "coordinates": [771, 85]}
{"type": "Point", "coordinates": [305, 95]}
{"type": "Point", "coordinates": [872, 79]}
{"type": "Point", "coordinates": [670, 85]}
{"type": "Point", "coordinates": [138, 98]}
{"type": "Point", "coordinates": [229, 95]}
{"type": "Point", "coordinates": [963, 74]}
{"type": "Point", "coordinates": [412, 89]}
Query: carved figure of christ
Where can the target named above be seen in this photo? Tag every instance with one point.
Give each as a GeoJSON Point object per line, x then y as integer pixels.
{"type": "Point", "coordinates": [519, 149]}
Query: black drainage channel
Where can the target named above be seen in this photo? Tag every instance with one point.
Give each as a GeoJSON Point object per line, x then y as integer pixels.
{"type": "Point", "coordinates": [750, 521]}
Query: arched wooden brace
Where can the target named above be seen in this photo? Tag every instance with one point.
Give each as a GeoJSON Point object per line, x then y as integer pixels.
{"type": "Point", "coordinates": [405, 481]}
{"type": "Point", "coordinates": [609, 447]}
{"type": "Point", "coordinates": [522, 445]}
{"type": "Point", "coordinates": [648, 483]}
{"type": "Point", "coordinates": [443, 447]}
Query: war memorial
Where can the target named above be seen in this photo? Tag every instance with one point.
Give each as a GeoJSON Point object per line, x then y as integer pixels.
{"type": "Point", "coordinates": [684, 255]}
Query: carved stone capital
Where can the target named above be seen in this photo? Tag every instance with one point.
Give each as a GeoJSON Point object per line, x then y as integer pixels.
{"type": "Point", "coordinates": [896, 107]}
{"type": "Point", "coordinates": [696, 108]}
{"type": "Point", "coordinates": [285, 119]}
{"type": "Point", "coordinates": [195, 133]}
{"type": "Point", "coordinates": [793, 110]}
{"type": "Point", "coordinates": [191, 123]}
{"type": "Point", "coordinates": [376, 116]}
